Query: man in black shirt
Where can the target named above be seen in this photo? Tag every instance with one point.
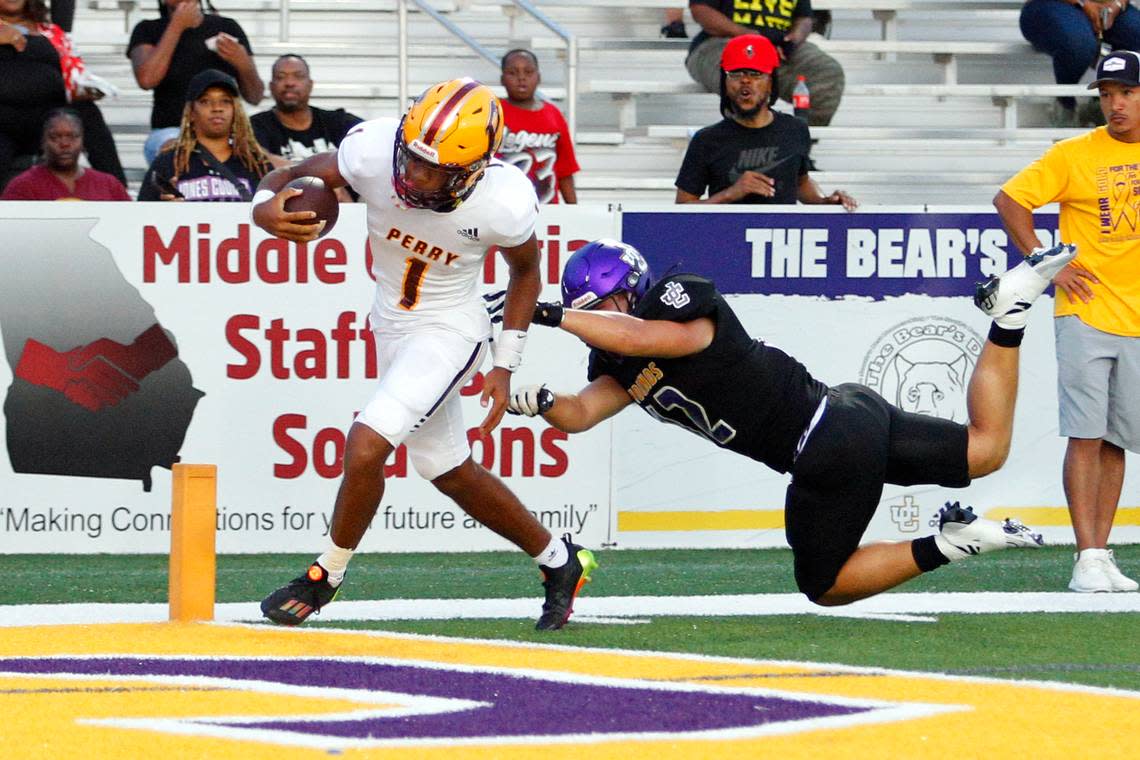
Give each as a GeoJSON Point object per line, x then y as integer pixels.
{"type": "Point", "coordinates": [755, 155]}
{"type": "Point", "coordinates": [168, 51]}
{"type": "Point", "coordinates": [294, 130]}
{"type": "Point", "coordinates": [677, 349]}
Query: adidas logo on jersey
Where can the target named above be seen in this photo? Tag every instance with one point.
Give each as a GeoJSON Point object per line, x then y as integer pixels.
{"type": "Point", "coordinates": [471, 233]}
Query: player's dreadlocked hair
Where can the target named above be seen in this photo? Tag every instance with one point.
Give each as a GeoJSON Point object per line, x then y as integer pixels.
{"type": "Point", "coordinates": [244, 144]}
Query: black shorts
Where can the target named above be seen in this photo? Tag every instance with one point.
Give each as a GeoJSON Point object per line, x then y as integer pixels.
{"type": "Point", "coordinates": [860, 443]}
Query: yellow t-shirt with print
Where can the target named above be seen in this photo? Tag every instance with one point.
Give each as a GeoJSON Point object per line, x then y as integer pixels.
{"type": "Point", "coordinates": [1096, 179]}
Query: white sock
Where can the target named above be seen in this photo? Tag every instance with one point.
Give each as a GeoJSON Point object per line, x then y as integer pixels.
{"type": "Point", "coordinates": [1092, 554]}
{"type": "Point", "coordinates": [554, 555]}
{"type": "Point", "coordinates": [335, 560]}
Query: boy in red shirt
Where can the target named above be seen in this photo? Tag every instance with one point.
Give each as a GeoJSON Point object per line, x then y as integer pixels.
{"type": "Point", "coordinates": [536, 138]}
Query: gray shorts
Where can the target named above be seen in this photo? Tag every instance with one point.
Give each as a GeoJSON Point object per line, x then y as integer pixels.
{"type": "Point", "coordinates": [1098, 384]}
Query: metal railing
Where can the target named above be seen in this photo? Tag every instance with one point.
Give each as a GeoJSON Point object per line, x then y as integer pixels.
{"type": "Point", "coordinates": [571, 41]}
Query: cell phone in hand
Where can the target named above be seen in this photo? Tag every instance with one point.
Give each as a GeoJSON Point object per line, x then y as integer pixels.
{"type": "Point", "coordinates": [165, 186]}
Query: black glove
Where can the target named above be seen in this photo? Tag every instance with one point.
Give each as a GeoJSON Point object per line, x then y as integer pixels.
{"type": "Point", "coordinates": [547, 314]}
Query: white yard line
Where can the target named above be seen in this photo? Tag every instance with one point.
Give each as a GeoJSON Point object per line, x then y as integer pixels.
{"type": "Point", "coordinates": [621, 609]}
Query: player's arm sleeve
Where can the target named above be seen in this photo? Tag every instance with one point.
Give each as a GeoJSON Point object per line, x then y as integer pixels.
{"type": "Point", "coordinates": [515, 218]}
{"type": "Point", "coordinates": [360, 158]}
{"type": "Point", "coordinates": [693, 176]}
{"type": "Point", "coordinates": [1043, 181]}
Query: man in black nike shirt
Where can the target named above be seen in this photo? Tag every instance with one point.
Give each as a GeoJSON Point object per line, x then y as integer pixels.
{"type": "Point", "coordinates": [677, 350]}
{"type": "Point", "coordinates": [753, 155]}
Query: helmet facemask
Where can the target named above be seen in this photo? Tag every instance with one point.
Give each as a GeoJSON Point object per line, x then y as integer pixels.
{"type": "Point", "coordinates": [459, 182]}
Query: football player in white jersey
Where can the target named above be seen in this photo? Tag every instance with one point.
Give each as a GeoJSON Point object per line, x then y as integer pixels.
{"type": "Point", "coordinates": [437, 200]}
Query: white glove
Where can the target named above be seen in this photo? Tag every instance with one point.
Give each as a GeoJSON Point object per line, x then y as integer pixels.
{"type": "Point", "coordinates": [531, 400]}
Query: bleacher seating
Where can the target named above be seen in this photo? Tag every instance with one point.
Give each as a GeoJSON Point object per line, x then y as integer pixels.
{"type": "Point", "coordinates": [944, 98]}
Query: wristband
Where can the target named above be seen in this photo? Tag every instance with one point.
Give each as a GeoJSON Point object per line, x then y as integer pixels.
{"type": "Point", "coordinates": [261, 196]}
{"type": "Point", "coordinates": [508, 349]}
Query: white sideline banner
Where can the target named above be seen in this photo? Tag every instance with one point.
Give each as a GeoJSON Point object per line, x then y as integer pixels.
{"type": "Point", "coordinates": [137, 335]}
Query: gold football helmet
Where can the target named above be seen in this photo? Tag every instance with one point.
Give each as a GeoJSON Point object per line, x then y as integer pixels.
{"type": "Point", "coordinates": [444, 142]}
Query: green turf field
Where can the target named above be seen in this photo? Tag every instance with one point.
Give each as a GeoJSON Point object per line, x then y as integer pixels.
{"type": "Point", "coordinates": [1097, 649]}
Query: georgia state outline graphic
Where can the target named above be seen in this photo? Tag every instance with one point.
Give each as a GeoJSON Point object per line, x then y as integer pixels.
{"type": "Point", "coordinates": [98, 389]}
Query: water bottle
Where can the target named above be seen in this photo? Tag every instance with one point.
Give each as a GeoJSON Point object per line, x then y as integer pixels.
{"type": "Point", "coordinates": [801, 98]}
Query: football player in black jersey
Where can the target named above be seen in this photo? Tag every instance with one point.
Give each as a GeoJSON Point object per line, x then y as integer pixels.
{"type": "Point", "coordinates": [676, 349]}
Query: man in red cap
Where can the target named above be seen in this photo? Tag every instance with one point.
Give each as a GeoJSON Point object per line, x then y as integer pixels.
{"type": "Point", "coordinates": [754, 155]}
{"type": "Point", "coordinates": [786, 25]}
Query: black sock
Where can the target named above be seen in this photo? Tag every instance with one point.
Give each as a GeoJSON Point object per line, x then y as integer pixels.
{"type": "Point", "coordinates": [1002, 336]}
{"type": "Point", "coordinates": [926, 554]}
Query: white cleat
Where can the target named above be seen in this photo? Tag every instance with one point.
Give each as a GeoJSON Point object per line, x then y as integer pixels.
{"type": "Point", "coordinates": [1007, 297]}
{"type": "Point", "coordinates": [963, 534]}
{"type": "Point", "coordinates": [1095, 570]}
{"type": "Point", "coordinates": [1089, 575]}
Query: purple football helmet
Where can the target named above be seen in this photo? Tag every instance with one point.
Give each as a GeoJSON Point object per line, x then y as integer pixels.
{"type": "Point", "coordinates": [601, 268]}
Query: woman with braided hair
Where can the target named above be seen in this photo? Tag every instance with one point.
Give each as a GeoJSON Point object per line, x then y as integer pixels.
{"type": "Point", "coordinates": [215, 157]}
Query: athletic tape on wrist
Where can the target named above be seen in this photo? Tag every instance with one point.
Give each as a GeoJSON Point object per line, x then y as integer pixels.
{"type": "Point", "coordinates": [508, 349]}
{"type": "Point", "coordinates": [261, 196]}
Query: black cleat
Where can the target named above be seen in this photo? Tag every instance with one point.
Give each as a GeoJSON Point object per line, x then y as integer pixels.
{"type": "Point", "coordinates": [295, 601]}
{"type": "Point", "coordinates": [562, 585]}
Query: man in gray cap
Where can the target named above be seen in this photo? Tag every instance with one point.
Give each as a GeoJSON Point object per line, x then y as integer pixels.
{"type": "Point", "coordinates": [1096, 179]}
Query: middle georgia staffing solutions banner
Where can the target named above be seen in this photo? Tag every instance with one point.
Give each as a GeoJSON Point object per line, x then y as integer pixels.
{"type": "Point", "coordinates": [138, 334]}
{"type": "Point", "coordinates": [882, 298]}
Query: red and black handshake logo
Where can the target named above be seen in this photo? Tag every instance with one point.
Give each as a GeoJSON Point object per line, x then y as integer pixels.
{"type": "Point", "coordinates": [99, 374]}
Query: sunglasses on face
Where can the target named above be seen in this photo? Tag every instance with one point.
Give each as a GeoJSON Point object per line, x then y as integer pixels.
{"type": "Point", "coordinates": [739, 74]}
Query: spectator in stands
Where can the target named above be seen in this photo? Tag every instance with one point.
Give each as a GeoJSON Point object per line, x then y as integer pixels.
{"type": "Point", "coordinates": [786, 25]}
{"type": "Point", "coordinates": [536, 138]}
{"type": "Point", "coordinates": [216, 157]}
{"type": "Point", "coordinates": [754, 155]}
{"type": "Point", "coordinates": [293, 130]}
{"type": "Point", "coordinates": [60, 177]}
{"type": "Point", "coordinates": [1097, 307]}
{"type": "Point", "coordinates": [674, 24]}
{"type": "Point", "coordinates": [41, 71]}
{"type": "Point", "coordinates": [168, 51]}
{"type": "Point", "coordinates": [1071, 32]}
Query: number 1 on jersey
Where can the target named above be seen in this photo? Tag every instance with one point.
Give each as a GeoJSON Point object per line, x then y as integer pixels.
{"type": "Point", "coordinates": [413, 278]}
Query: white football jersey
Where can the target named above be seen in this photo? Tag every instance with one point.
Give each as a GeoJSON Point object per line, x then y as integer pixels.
{"type": "Point", "coordinates": [427, 264]}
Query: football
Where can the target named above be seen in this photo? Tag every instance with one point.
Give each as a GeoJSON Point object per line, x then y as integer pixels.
{"type": "Point", "coordinates": [315, 197]}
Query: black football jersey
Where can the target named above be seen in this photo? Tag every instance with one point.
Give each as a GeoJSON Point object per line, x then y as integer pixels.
{"type": "Point", "coordinates": [740, 394]}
